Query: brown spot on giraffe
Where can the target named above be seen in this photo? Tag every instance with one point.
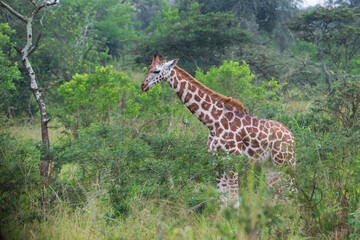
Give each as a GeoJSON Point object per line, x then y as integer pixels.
{"type": "Point", "coordinates": [236, 124]}
{"type": "Point", "coordinates": [205, 106]}
{"type": "Point", "coordinates": [188, 97]}
{"type": "Point", "coordinates": [246, 141]}
{"type": "Point", "coordinates": [253, 134]}
{"type": "Point", "coordinates": [207, 118]}
{"type": "Point", "coordinates": [192, 88]}
{"type": "Point", "coordinates": [245, 122]}
{"type": "Point", "coordinates": [228, 135]}
{"type": "Point", "coordinates": [175, 83]}
{"type": "Point", "coordinates": [239, 114]}
{"type": "Point", "coordinates": [197, 98]}
{"type": "Point", "coordinates": [207, 98]}
{"type": "Point", "coordinates": [230, 144]}
{"type": "Point", "coordinates": [238, 138]}
{"type": "Point", "coordinates": [255, 122]}
{"type": "Point", "coordinates": [178, 75]}
{"type": "Point", "coordinates": [251, 152]}
{"type": "Point", "coordinates": [182, 89]}
{"type": "Point", "coordinates": [242, 131]}
{"type": "Point", "coordinates": [201, 93]}
{"type": "Point", "coordinates": [264, 143]}
{"type": "Point", "coordinates": [193, 107]}
{"type": "Point", "coordinates": [255, 144]}
{"type": "Point", "coordinates": [229, 115]}
{"type": "Point", "coordinates": [201, 115]}
{"type": "Point", "coordinates": [215, 113]}
{"type": "Point", "coordinates": [224, 123]}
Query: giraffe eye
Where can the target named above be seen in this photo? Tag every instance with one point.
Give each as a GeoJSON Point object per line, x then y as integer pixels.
{"type": "Point", "coordinates": [156, 72]}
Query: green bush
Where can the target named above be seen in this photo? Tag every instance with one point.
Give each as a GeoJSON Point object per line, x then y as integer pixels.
{"type": "Point", "coordinates": [104, 95]}
{"type": "Point", "coordinates": [234, 80]}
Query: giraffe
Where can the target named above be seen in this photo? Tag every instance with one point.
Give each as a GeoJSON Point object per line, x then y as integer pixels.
{"type": "Point", "coordinates": [232, 129]}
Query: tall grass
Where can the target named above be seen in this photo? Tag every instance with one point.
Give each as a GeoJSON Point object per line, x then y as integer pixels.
{"type": "Point", "coordinates": [154, 218]}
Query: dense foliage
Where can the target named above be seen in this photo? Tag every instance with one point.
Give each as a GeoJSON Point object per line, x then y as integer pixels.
{"type": "Point", "coordinates": [9, 73]}
{"type": "Point", "coordinates": [132, 165]}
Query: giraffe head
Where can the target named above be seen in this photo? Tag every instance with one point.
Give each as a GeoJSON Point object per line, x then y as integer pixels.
{"type": "Point", "coordinates": [157, 72]}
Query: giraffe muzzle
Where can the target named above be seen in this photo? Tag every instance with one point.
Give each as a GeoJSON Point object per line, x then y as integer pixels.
{"type": "Point", "coordinates": [144, 88]}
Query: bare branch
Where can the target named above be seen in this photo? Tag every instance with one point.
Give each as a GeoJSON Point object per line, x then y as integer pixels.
{"type": "Point", "coordinates": [13, 12]}
{"type": "Point", "coordinates": [33, 2]}
{"type": "Point", "coordinates": [36, 45]}
{"type": "Point", "coordinates": [46, 4]}
{"type": "Point", "coordinates": [17, 49]}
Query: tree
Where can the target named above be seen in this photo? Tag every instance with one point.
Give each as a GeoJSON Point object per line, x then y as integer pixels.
{"type": "Point", "coordinates": [146, 10]}
{"type": "Point", "coordinates": [115, 26]}
{"type": "Point", "coordinates": [336, 34]}
{"type": "Point", "coordinates": [343, 104]}
{"type": "Point", "coordinates": [267, 14]}
{"type": "Point", "coordinates": [198, 39]}
{"type": "Point", "coordinates": [25, 53]}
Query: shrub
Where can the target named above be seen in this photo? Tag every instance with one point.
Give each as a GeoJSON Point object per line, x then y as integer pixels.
{"type": "Point", "coordinates": [97, 97]}
{"type": "Point", "coordinates": [237, 81]}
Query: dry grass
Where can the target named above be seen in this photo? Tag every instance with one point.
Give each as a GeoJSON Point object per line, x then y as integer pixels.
{"type": "Point", "coordinates": [294, 105]}
{"type": "Point", "coordinates": [32, 131]}
{"type": "Point", "coordinates": [296, 100]}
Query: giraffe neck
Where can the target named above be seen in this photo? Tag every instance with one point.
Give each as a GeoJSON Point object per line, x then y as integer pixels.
{"type": "Point", "coordinates": [207, 105]}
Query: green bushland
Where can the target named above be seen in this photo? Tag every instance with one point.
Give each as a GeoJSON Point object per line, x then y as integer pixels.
{"type": "Point", "coordinates": [108, 186]}
{"type": "Point", "coordinates": [135, 166]}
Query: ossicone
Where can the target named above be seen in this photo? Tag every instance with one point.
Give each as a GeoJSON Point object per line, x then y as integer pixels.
{"type": "Point", "coordinates": [158, 57]}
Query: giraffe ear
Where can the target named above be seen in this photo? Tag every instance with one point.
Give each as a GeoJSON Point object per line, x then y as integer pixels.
{"type": "Point", "coordinates": [171, 64]}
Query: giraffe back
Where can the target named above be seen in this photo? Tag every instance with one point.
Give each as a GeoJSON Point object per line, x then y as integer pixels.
{"type": "Point", "coordinates": [237, 132]}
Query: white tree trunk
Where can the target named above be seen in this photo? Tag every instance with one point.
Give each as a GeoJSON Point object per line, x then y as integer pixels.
{"type": "Point", "coordinates": [25, 54]}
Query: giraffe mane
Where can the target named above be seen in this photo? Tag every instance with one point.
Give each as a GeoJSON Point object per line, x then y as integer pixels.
{"type": "Point", "coordinates": [228, 101]}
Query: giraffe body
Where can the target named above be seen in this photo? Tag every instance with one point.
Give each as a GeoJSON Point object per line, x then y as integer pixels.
{"type": "Point", "coordinates": [232, 129]}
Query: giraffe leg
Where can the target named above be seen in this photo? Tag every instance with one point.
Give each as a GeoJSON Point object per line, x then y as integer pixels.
{"type": "Point", "coordinates": [234, 189]}
{"type": "Point", "coordinates": [222, 185]}
{"type": "Point", "coordinates": [228, 187]}
{"type": "Point", "coordinates": [274, 181]}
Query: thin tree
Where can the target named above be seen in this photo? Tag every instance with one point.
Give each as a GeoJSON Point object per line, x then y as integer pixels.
{"type": "Point", "coordinates": [25, 53]}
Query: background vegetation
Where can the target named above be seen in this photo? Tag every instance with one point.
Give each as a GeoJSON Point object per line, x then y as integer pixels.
{"type": "Point", "coordinates": [128, 165]}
